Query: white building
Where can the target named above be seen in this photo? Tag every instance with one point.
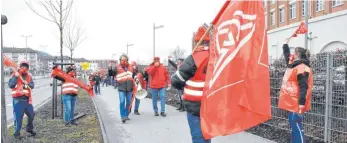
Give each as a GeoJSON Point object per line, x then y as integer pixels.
{"type": "Point", "coordinates": [23, 54]}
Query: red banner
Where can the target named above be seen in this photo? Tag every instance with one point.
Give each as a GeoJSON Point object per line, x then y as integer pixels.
{"type": "Point", "coordinates": [237, 89]}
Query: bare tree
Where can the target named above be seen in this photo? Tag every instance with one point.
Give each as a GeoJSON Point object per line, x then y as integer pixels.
{"type": "Point", "coordinates": [177, 54]}
{"type": "Point", "coordinates": [73, 37]}
{"type": "Point", "coordinates": [57, 12]}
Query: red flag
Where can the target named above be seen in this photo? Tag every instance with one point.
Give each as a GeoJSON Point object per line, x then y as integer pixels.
{"type": "Point", "coordinates": [302, 29]}
{"type": "Point", "coordinates": [237, 88]}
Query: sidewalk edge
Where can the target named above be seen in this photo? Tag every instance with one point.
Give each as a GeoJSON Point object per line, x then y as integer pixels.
{"type": "Point", "coordinates": [102, 126]}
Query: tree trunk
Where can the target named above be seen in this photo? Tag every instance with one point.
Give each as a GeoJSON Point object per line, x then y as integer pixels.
{"type": "Point", "coordinates": [71, 52]}
{"type": "Point", "coordinates": [61, 52]}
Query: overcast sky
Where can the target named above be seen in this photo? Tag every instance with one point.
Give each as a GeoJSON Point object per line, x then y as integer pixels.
{"type": "Point", "coordinates": [110, 24]}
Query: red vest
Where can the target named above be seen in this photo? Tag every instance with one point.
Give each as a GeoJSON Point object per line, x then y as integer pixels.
{"type": "Point", "coordinates": [70, 88]}
{"type": "Point", "coordinates": [290, 90]}
{"type": "Point", "coordinates": [193, 90]}
{"type": "Point", "coordinates": [18, 90]}
{"type": "Point", "coordinates": [123, 75]}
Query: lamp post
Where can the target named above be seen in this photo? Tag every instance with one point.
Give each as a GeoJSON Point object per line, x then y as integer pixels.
{"type": "Point", "coordinates": [26, 44]}
{"type": "Point", "coordinates": [128, 45]}
{"type": "Point", "coordinates": [154, 28]}
{"type": "Point", "coordinates": [3, 106]}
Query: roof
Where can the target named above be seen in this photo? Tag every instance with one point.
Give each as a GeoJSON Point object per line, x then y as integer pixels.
{"type": "Point", "coordinates": [18, 50]}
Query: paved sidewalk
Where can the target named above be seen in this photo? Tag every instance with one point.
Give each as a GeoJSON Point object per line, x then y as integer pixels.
{"type": "Point", "coordinates": [147, 128]}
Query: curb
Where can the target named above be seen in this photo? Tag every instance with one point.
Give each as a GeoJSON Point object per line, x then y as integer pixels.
{"type": "Point", "coordinates": [102, 126]}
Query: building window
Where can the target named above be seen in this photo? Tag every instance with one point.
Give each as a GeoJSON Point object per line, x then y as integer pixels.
{"type": "Point", "coordinates": [303, 8]}
{"type": "Point", "coordinates": [272, 18]}
{"type": "Point", "coordinates": [319, 5]}
{"type": "Point", "coordinates": [273, 1]}
{"type": "Point", "coordinates": [281, 15]}
{"type": "Point", "coordinates": [292, 10]}
{"type": "Point", "coordinates": [337, 3]}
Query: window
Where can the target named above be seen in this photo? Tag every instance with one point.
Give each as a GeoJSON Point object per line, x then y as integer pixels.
{"type": "Point", "coordinates": [337, 2]}
{"type": "Point", "coordinates": [281, 15]}
{"type": "Point", "coordinates": [319, 5]}
{"type": "Point", "coordinates": [272, 18]}
{"type": "Point", "coordinates": [292, 10]}
{"type": "Point", "coordinates": [273, 1]}
{"type": "Point", "coordinates": [303, 8]}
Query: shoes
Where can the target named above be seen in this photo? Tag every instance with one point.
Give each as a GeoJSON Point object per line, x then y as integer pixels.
{"type": "Point", "coordinates": [163, 114]}
{"type": "Point", "coordinates": [123, 120]}
{"type": "Point", "coordinates": [156, 114]}
{"type": "Point", "coordinates": [127, 118]}
{"type": "Point", "coordinates": [74, 123]}
{"type": "Point", "coordinates": [67, 124]}
{"type": "Point", "coordinates": [136, 113]}
{"type": "Point", "coordinates": [32, 133]}
{"type": "Point", "coordinates": [18, 137]}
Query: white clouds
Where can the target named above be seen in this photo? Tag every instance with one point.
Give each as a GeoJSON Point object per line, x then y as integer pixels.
{"type": "Point", "coordinates": [110, 24]}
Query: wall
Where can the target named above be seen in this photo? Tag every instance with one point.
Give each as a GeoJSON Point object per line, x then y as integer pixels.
{"type": "Point", "coordinates": [327, 28]}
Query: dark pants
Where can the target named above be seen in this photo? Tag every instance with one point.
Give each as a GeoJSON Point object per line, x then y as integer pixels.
{"type": "Point", "coordinates": [97, 88]}
{"type": "Point", "coordinates": [195, 129]}
{"type": "Point", "coordinates": [295, 121]}
{"type": "Point", "coordinates": [105, 82]}
{"type": "Point", "coordinates": [180, 93]}
{"type": "Point", "coordinates": [19, 107]}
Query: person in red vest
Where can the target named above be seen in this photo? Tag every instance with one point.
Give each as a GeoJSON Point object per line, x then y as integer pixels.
{"type": "Point", "coordinates": [190, 77]}
{"type": "Point", "coordinates": [21, 84]}
{"type": "Point", "coordinates": [138, 76]}
{"type": "Point", "coordinates": [159, 78]}
{"type": "Point", "coordinates": [125, 82]}
{"type": "Point", "coordinates": [70, 91]}
{"type": "Point", "coordinates": [296, 89]}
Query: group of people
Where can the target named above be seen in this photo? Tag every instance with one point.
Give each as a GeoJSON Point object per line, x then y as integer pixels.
{"type": "Point", "coordinates": [189, 79]}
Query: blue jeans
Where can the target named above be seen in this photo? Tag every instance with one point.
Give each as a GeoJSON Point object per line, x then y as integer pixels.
{"type": "Point", "coordinates": [21, 106]}
{"type": "Point", "coordinates": [295, 121]}
{"type": "Point", "coordinates": [69, 107]}
{"type": "Point", "coordinates": [161, 92]}
{"type": "Point", "coordinates": [97, 88]}
{"type": "Point", "coordinates": [124, 97]}
{"type": "Point", "coordinates": [195, 129]}
{"type": "Point", "coordinates": [137, 104]}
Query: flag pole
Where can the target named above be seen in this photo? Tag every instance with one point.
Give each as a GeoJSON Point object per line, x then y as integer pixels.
{"type": "Point", "coordinates": [212, 23]}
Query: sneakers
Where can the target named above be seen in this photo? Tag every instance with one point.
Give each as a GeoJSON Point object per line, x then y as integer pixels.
{"type": "Point", "coordinates": [163, 114]}
{"type": "Point", "coordinates": [74, 123]}
{"type": "Point", "coordinates": [136, 113]}
{"type": "Point", "coordinates": [156, 114]}
{"type": "Point", "coordinates": [67, 124]}
{"type": "Point", "coordinates": [18, 137]}
{"type": "Point", "coordinates": [127, 118]}
{"type": "Point", "coordinates": [32, 133]}
{"type": "Point", "coordinates": [123, 120]}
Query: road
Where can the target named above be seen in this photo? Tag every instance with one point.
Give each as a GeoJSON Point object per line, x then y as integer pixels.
{"type": "Point", "coordinates": [148, 128]}
{"type": "Point", "coordinates": [40, 94]}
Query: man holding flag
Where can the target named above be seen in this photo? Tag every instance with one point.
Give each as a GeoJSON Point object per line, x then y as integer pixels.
{"type": "Point", "coordinates": [190, 76]}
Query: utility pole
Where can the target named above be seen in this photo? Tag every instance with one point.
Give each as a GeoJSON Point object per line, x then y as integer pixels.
{"type": "Point", "coordinates": [3, 104]}
{"type": "Point", "coordinates": [26, 44]}
{"type": "Point", "coordinates": [154, 28]}
{"type": "Point", "coordinates": [128, 48]}
{"type": "Point", "coordinates": [306, 22]}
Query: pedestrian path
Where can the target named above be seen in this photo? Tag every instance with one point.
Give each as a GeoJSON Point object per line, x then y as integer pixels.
{"type": "Point", "coordinates": [147, 128]}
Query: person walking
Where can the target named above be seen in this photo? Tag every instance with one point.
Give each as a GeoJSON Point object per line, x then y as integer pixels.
{"type": "Point", "coordinates": [190, 76]}
{"type": "Point", "coordinates": [97, 81]}
{"type": "Point", "coordinates": [22, 84]}
{"type": "Point", "coordinates": [296, 90]}
{"type": "Point", "coordinates": [159, 78]}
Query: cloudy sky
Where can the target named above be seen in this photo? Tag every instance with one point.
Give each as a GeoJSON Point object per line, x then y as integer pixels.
{"type": "Point", "coordinates": [110, 24]}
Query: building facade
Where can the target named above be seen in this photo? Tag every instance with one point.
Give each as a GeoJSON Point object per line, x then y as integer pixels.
{"type": "Point", "coordinates": [23, 54]}
{"type": "Point", "coordinates": [327, 20]}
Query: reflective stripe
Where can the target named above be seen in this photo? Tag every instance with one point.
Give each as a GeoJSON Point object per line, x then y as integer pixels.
{"type": "Point", "coordinates": [121, 74]}
{"type": "Point", "coordinates": [179, 76]}
{"type": "Point", "coordinates": [195, 84]}
{"type": "Point", "coordinates": [193, 92]}
{"type": "Point", "coordinates": [16, 92]}
{"type": "Point", "coordinates": [70, 84]}
{"type": "Point", "coordinates": [70, 89]}
{"type": "Point", "coordinates": [124, 78]}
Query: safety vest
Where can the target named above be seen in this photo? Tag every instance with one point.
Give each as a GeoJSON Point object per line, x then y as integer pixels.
{"type": "Point", "coordinates": [290, 90]}
{"type": "Point", "coordinates": [193, 90]}
{"type": "Point", "coordinates": [123, 75]}
{"type": "Point", "coordinates": [70, 88]}
{"type": "Point", "coordinates": [20, 90]}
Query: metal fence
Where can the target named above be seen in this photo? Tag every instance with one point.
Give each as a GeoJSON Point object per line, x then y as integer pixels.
{"type": "Point", "coordinates": [327, 121]}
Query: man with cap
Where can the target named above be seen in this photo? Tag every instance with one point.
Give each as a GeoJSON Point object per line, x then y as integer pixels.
{"type": "Point", "coordinates": [159, 78]}
{"type": "Point", "coordinates": [70, 91]}
{"type": "Point", "coordinates": [21, 84]}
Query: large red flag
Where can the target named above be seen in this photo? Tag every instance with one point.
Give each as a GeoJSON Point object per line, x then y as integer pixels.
{"type": "Point", "coordinates": [237, 89]}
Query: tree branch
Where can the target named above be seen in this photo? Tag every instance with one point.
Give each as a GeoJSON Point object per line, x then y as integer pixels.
{"type": "Point", "coordinates": [32, 9]}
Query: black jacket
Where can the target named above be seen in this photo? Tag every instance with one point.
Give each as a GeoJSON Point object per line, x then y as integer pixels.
{"type": "Point", "coordinates": [96, 79]}
{"type": "Point", "coordinates": [178, 80]}
{"type": "Point", "coordinates": [123, 86]}
{"type": "Point", "coordinates": [302, 78]}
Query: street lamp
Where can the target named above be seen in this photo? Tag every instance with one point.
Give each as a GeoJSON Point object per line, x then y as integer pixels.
{"type": "Point", "coordinates": [3, 106]}
{"type": "Point", "coordinates": [128, 48]}
{"type": "Point", "coordinates": [154, 28]}
{"type": "Point", "coordinates": [26, 44]}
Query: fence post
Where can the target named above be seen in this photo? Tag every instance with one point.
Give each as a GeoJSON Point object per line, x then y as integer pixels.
{"type": "Point", "coordinates": [328, 98]}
